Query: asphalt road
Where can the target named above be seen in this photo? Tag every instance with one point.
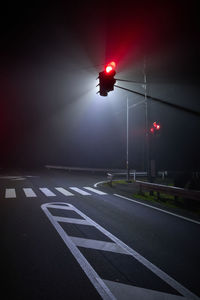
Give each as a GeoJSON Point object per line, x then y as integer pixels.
{"type": "Point", "coordinates": [60, 239]}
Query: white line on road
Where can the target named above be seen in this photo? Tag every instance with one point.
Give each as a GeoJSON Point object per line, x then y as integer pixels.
{"type": "Point", "coordinates": [159, 209]}
{"type": "Point", "coordinates": [98, 245]}
{"type": "Point", "coordinates": [90, 272]}
{"type": "Point", "coordinates": [10, 193]}
{"type": "Point", "coordinates": [94, 190]}
{"type": "Point", "coordinates": [80, 191]}
{"type": "Point", "coordinates": [64, 191]}
{"type": "Point", "coordinates": [97, 282]}
{"type": "Point", "coordinates": [29, 192]}
{"type": "Point", "coordinates": [71, 220]}
{"type": "Point", "coordinates": [125, 291]}
{"type": "Point", "coordinates": [100, 182]}
{"type": "Point", "coordinates": [47, 192]}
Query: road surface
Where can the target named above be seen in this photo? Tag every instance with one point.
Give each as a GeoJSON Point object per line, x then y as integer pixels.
{"type": "Point", "coordinates": [63, 238]}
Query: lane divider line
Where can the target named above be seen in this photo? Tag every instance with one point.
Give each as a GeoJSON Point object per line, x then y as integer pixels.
{"type": "Point", "coordinates": [159, 209]}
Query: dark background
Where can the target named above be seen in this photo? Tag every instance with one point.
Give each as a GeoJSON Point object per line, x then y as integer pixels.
{"type": "Point", "coordinates": [51, 55]}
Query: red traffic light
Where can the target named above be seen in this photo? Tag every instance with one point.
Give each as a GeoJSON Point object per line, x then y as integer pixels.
{"type": "Point", "coordinates": [110, 67]}
{"type": "Point", "coordinates": [152, 130]}
{"type": "Point", "coordinates": [156, 125]}
{"type": "Point", "coordinates": [106, 79]}
{"type": "Point", "coordinates": [155, 128]}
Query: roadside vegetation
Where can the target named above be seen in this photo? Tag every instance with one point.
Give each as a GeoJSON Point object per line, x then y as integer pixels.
{"type": "Point", "coordinates": [155, 197]}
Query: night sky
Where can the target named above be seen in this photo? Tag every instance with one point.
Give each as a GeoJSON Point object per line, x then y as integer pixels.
{"type": "Point", "coordinates": [50, 58]}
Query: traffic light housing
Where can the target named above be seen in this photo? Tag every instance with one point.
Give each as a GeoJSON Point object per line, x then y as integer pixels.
{"type": "Point", "coordinates": [106, 79]}
{"type": "Point", "coordinates": [155, 128]}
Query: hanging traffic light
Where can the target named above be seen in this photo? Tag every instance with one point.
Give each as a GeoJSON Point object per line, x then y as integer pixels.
{"type": "Point", "coordinates": [155, 128]}
{"type": "Point", "coordinates": [106, 79]}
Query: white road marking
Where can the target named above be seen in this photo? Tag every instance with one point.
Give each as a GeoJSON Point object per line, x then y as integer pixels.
{"type": "Point", "coordinates": [98, 245]}
{"type": "Point", "coordinates": [87, 268]}
{"type": "Point", "coordinates": [12, 177]}
{"type": "Point", "coordinates": [100, 182]}
{"type": "Point", "coordinates": [128, 292]}
{"type": "Point", "coordinates": [29, 192]}
{"type": "Point", "coordinates": [71, 220]}
{"type": "Point", "coordinates": [103, 290]}
{"type": "Point", "coordinates": [47, 192]}
{"type": "Point", "coordinates": [10, 193]}
{"type": "Point", "coordinates": [94, 190]}
{"type": "Point", "coordinates": [80, 191]}
{"type": "Point", "coordinates": [64, 191]}
{"type": "Point", "coordinates": [159, 209]}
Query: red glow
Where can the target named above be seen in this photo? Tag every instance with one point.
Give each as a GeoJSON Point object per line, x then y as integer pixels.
{"type": "Point", "coordinates": [110, 67]}
{"type": "Point", "coordinates": [156, 126]}
{"type": "Point", "coordinates": [152, 130]}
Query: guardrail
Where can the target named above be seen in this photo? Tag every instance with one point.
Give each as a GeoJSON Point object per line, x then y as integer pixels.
{"type": "Point", "coordinates": [132, 174]}
{"type": "Point", "coordinates": [83, 169]}
{"type": "Point", "coordinates": [171, 190]}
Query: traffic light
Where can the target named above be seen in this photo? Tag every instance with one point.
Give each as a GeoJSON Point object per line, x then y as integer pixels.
{"type": "Point", "coordinates": [155, 128]}
{"type": "Point", "coordinates": [106, 79]}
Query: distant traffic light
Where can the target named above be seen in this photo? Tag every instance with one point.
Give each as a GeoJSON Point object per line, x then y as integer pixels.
{"type": "Point", "coordinates": [106, 79]}
{"type": "Point", "coordinates": [155, 128]}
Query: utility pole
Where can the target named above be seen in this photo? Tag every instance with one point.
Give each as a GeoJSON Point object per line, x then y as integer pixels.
{"type": "Point", "coordinates": [127, 139]}
{"type": "Point", "coordinates": [147, 137]}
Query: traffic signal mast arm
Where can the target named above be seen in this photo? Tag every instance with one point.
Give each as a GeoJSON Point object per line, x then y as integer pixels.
{"type": "Point", "coordinates": [162, 101]}
{"type": "Point", "coordinates": [107, 84]}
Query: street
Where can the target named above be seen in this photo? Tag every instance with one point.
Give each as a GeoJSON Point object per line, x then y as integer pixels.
{"type": "Point", "coordinates": [63, 238]}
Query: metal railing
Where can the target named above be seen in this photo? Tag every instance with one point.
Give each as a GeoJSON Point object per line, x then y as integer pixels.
{"type": "Point", "coordinates": [120, 175]}
{"type": "Point", "coordinates": [142, 185]}
{"type": "Point", "coordinates": [170, 190]}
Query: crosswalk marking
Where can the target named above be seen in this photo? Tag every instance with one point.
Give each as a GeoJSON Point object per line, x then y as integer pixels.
{"type": "Point", "coordinates": [47, 192]}
{"type": "Point", "coordinates": [94, 190]}
{"type": "Point", "coordinates": [64, 191]}
{"type": "Point", "coordinates": [29, 192]}
{"type": "Point", "coordinates": [10, 193]}
{"type": "Point", "coordinates": [82, 192]}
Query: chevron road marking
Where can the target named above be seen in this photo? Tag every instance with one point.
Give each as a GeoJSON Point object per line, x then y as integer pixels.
{"type": "Point", "coordinates": [109, 289]}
